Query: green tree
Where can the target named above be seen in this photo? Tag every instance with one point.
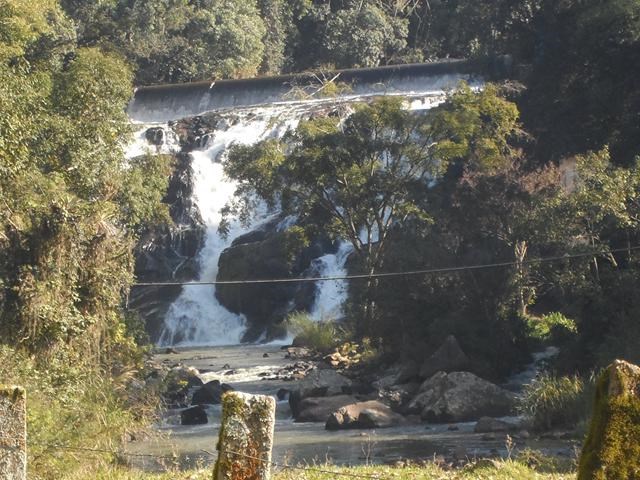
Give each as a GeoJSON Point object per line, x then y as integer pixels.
{"type": "Point", "coordinates": [363, 37]}
{"type": "Point", "coordinates": [71, 205]}
{"type": "Point", "coordinates": [361, 178]}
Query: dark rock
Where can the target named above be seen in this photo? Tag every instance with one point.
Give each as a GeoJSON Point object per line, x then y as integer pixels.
{"type": "Point", "coordinates": [459, 397]}
{"type": "Point", "coordinates": [171, 350]}
{"type": "Point", "coordinates": [489, 436]}
{"type": "Point", "coordinates": [318, 409]}
{"type": "Point", "coordinates": [265, 355]}
{"type": "Point", "coordinates": [318, 383]}
{"type": "Point", "coordinates": [448, 358]}
{"type": "Point", "coordinates": [155, 136]}
{"type": "Point", "coordinates": [453, 428]}
{"type": "Point", "coordinates": [194, 416]}
{"type": "Point", "coordinates": [488, 425]}
{"type": "Point", "coordinates": [371, 414]}
{"type": "Point", "coordinates": [282, 394]}
{"type": "Point", "coordinates": [210, 393]}
{"type": "Point", "coordinates": [226, 366]}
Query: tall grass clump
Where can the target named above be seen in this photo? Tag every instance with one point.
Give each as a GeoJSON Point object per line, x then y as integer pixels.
{"type": "Point", "coordinates": [556, 402]}
{"type": "Point", "coordinates": [74, 405]}
{"type": "Point", "coordinates": [321, 335]}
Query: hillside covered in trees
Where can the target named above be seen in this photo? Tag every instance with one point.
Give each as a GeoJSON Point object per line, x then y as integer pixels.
{"type": "Point", "coordinates": [542, 164]}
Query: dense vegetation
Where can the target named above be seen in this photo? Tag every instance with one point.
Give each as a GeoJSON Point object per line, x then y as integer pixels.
{"type": "Point", "coordinates": [71, 212]}
{"type": "Point", "coordinates": [73, 209]}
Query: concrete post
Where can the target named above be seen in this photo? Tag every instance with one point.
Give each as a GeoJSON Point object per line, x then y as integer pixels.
{"type": "Point", "coordinates": [13, 433]}
{"type": "Point", "coordinates": [246, 437]}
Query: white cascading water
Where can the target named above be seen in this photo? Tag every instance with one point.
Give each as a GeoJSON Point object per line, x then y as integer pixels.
{"type": "Point", "coordinates": [196, 318]}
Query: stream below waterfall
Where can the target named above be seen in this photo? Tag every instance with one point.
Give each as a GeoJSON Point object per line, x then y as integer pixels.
{"type": "Point", "coordinates": [305, 443]}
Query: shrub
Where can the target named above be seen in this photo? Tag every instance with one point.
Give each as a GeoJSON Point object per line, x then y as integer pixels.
{"type": "Point", "coordinates": [553, 327]}
{"type": "Point", "coordinates": [322, 335]}
{"type": "Point", "coordinates": [551, 401]}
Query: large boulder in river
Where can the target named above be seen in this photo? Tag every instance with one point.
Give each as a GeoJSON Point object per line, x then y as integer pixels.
{"type": "Point", "coordinates": [458, 397]}
{"type": "Point", "coordinates": [371, 414]}
{"type": "Point", "coordinates": [449, 357]}
{"type": "Point", "coordinates": [318, 409]}
{"type": "Point", "coordinates": [318, 383]}
{"type": "Point", "coordinates": [612, 447]}
{"type": "Point", "coordinates": [210, 393]}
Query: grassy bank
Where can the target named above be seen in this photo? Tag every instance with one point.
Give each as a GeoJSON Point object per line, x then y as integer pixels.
{"type": "Point", "coordinates": [482, 470]}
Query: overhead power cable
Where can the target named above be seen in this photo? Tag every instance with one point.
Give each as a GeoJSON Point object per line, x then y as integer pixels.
{"type": "Point", "coordinates": [512, 263]}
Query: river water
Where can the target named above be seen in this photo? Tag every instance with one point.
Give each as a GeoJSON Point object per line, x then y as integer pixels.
{"type": "Point", "coordinates": [303, 443]}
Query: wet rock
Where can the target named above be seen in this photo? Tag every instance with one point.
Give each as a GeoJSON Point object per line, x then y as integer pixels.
{"type": "Point", "coordinates": [399, 396]}
{"type": "Point", "coordinates": [488, 437]}
{"type": "Point", "coordinates": [171, 350]}
{"type": "Point", "coordinates": [318, 383]}
{"type": "Point", "coordinates": [488, 424]}
{"type": "Point", "coordinates": [371, 414]}
{"type": "Point", "coordinates": [449, 357]}
{"type": "Point", "coordinates": [458, 397]}
{"type": "Point", "coordinates": [155, 136]}
{"type": "Point", "coordinates": [318, 409]}
{"type": "Point", "coordinates": [265, 355]}
{"type": "Point", "coordinates": [210, 393]}
{"type": "Point", "coordinates": [262, 304]}
{"type": "Point", "coordinates": [453, 428]}
{"type": "Point", "coordinates": [194, 416]}
{"type": "Point", "coordinates": [164, 253]}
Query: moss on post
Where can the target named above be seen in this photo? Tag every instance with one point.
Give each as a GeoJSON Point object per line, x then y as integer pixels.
{"type": "Point", "coordinates": [13, 433]}
{"type": "Point", "coordinates": [612, 447]}
{"type": "Point", "coordinates": [246, 437]}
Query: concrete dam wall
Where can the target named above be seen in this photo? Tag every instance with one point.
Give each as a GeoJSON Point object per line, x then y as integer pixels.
{"type": "Point", "coordinates": [162, 103]}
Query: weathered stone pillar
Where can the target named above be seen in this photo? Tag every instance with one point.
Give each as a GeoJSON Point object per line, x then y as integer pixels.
{"type": "Point", "coordinates": [13, 433]}
{"type": "Point", "coordinates": [246, 437]}
{"type": "Point", "coordinates": [612, 448]}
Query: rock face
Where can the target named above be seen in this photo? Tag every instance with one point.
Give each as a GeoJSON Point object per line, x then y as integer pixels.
{"type": "Point", "coordinates": [449, 357]}
{"type": "Point", "coordinates": [246, 437]}
{"type": "Point", "coordinates": [168, 254]}
{"type": "Point", "coordinates": [612, 447]}
{"type": "Point", "coordinates": [371, 414]}
{"type": "Point", "coordinates": [458, 397]}
{"type": "Point", "coordinates": [265, 254]}
{"type": "Point", "coordinates": [13, 431]}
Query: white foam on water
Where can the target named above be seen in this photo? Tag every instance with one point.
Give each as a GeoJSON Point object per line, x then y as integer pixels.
{"type": "Point", "coordinates": [331, 293]}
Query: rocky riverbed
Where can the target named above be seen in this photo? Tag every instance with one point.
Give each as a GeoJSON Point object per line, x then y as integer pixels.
{"type": "Point", "coordinates": [270, 370]}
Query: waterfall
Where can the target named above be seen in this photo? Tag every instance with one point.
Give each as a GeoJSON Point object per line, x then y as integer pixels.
{"type": "Point", "coordinates": [197, 318]}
